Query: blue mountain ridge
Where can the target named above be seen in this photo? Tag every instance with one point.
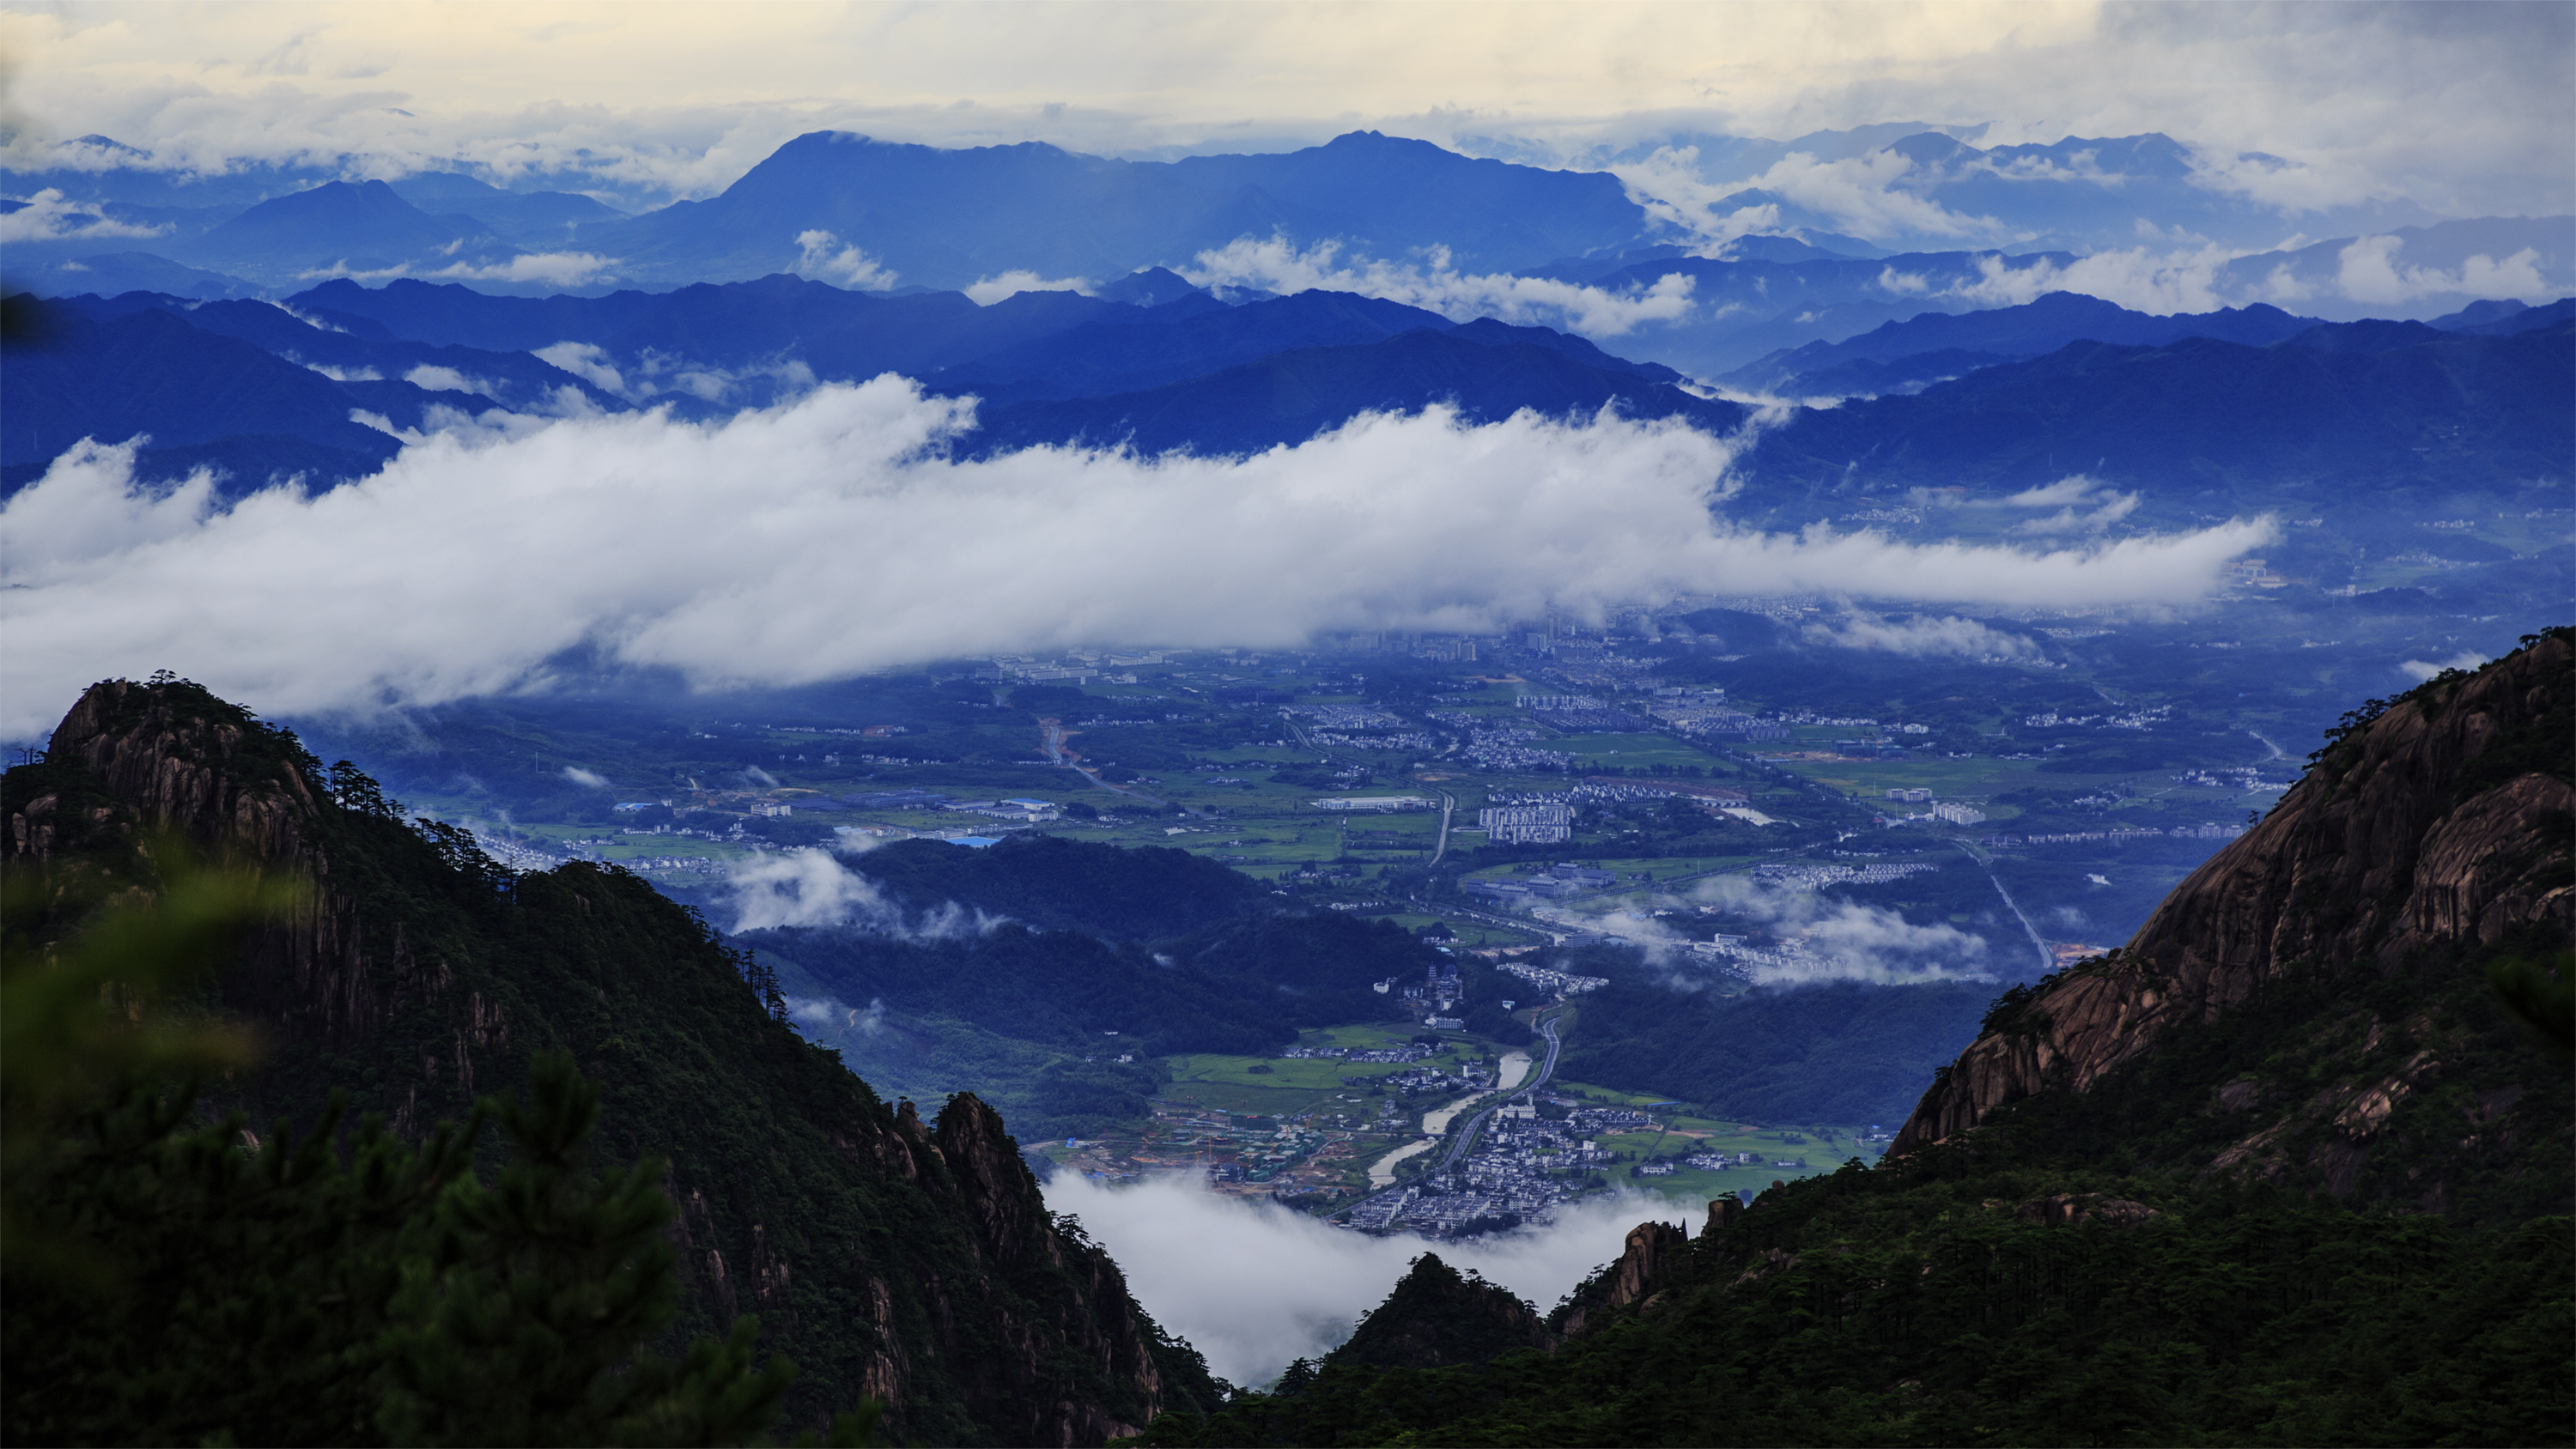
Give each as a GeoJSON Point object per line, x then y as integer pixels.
{"type": "Point", "coordinates": [2336, 419]}
{"type": "Point", "coordinates": [2001, 334]}
{"type": "Point", "coordinates": [1330, 356]}
{"type": "Point", "coordinates": [949, 217]}
{"type": "Point", "coordinates": [1486, 373]}
{"type": "Point", "coordinates": [236, 385]}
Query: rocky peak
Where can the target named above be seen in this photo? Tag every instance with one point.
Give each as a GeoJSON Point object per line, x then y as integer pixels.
{"type": "Point", "coordinates": [2424, 831]}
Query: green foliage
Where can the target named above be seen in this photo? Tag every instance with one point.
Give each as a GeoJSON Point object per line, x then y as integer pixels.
{"type": "Point", "coordinates": [1051, 883]}
{"type": "Point", "coordinates": [1944, 1307]}
{"type": "Point", "coordinates": [2543, 996]}
{"type": "Point", "coordinates": [799, 1191]}
{"type": "Point", "coordinates": [170, 1280]}
{"type": "Point", "coordinates": [1437, 1316]}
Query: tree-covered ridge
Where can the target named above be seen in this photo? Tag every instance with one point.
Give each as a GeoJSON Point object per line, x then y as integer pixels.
{"type": "Point", "coordinates": [1438, 1316]}
{"type": "Point", "coordinates": [889, 1257]}
{"type": "Point", "coordinates": [1966, 1304]}
{"type": "Point", "coordinates": [1048, 883]}
{"type": "Point", "coordinates": [2332, 1207]}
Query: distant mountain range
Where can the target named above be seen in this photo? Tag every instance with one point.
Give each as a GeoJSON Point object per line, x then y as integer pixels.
{"type": "Point", "coordinates": [317, 386]}
{"type": "Point", "coordinates": [2139, 220]}
{"type": "Point", "coordinates": [2337, 419]}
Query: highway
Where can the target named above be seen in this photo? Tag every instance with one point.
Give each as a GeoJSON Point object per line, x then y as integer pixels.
{"type": "Point", "coordinates": [1465, 1137]}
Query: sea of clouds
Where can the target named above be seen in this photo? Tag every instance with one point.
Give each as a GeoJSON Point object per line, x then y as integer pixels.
{"type": "Point", "coordinates": [835, 534]}
{"type": "Point", "coordinates": [1254, 1285]}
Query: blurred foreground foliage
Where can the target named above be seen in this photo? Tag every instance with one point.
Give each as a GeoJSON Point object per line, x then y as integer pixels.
{"type": "Point", "coordinates": [168, 1279]}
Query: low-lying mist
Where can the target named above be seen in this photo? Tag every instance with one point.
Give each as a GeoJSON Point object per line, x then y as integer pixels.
{"type": "Point", "coordinates": [835, 535]}
{"type": "Point", "coordinates": [1255, 1286]}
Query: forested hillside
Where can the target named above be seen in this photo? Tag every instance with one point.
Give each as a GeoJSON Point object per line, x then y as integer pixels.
{"type": "Point", "coordinates": [888, 1256]}
{"type": "Point", "coordinates": [2292, 1168]}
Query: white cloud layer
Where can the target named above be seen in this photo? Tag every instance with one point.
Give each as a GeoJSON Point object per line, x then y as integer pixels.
{"type": "Point", "coordinates": [46, 216]}
{"type": "Point", "coordinates": [1254, 1286]}
{"type": "Point", "coordinates": [834, 535]}
{"type": "Point", "coordinates": [2464, 106]}
{"type": "Point", "coordinates": [1846, 940]}
{"type": "Point", "coordinates": [1277, 265]}
{"type": "Point", "coordinates": [1925, 636]}
{"type": "Point", "coordinates": [822, 257]}
{"type": "Point", "coordinates": [989, 290]}
{"type": "Point", "coordinates": [810, 887]}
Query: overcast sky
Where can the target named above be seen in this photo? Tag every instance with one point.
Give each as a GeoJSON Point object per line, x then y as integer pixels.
{"type": "Point", "coordinates": [2465, 107]}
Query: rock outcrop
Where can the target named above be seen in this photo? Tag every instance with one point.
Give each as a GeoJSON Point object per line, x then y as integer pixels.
{"type": "Point", "coordinates": [2438, 826]}
{"type": "Point", "coordinates": [912, 1261]}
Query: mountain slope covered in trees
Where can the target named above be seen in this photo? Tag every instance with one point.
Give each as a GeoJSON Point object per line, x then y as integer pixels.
{"type": "Point", "coordinates": [890, 1257]}
{"type": "Point", "coordinates": [2292, 1168]}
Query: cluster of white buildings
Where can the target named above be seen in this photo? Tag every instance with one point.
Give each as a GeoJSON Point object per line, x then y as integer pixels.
{"type": "Point", "coordinates": [1559, 983]}
{"type": "Point", "coordinates": [1551, 824]}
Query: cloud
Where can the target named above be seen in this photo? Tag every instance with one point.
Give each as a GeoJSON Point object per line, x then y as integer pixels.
{"type": "Point", "coordinates": [585, 360]}
{"type": "Point", "coordinates": [651, 374]}
{"type": "Point", "coordinates": [821, 256]}
{"type": "Point", "coordinates": [810, 887]}
{"type": "Point", "coordinates": [1010, 284]}
{"type": "Point", "coordinates": [2142, 280]}
{"type": "Point", "coordinates": [2420, 670]}
{"type": "Point", "coordinates": [833, 535]}
{"type": "Point", "coordinates": [553, 269]}
{"type": "Point", "coordinates": [434, 378]}
{"type": "Point", "coordinates": [1861, 195]}
{"type": "Point", "coordinates": [2367, 271]}
{"type": "Point", "coordinates": [47, 217]}
{"type": "Point", "coordinates": [1253, 1285]}
{"type": "Point", "coordinates": [346, 374]}
{"type": "Point", "coordinates": [1928, 636]}
{"type": "Point", "coordinates": [590, 778]}
{"type": "Point", "coordinates": [1843, 940]}
{"type": "Point", "coordinates": [2465, 107]}
{"type": "Point", "coordinates": [804, 888]}
{"type": "Point", "coordinates": [2070, 489]}
{"type": "Point", "coordinates": [95, 511]}
{"type": "Point", "coordinates": [1277, 265]}
{"type": "Point", "coordinates": [826, 1012]}
{"type": "Point", "coordinates": [2075, 491]}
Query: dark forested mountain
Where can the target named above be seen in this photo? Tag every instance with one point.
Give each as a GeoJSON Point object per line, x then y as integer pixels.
{"type": "Point", "coordinates": [1288, 398]}
{"type": "Point", "coordinates": [887, 1255]}
{"type": "Point", "coordinates": [246, 388]}
{"type": "Point", "coordinates": [1051, 883]}
{"type": "Point", "coordinates": [2395, 408]}
{"type": "Point", "coordinates": [2292, 1166]}
{"type": "Point", "coordinates": [2338, 945]}
{"type": "Point", "coordinates": [151, 373]}
{"type": "Point", "coordinates": [1935, 345]}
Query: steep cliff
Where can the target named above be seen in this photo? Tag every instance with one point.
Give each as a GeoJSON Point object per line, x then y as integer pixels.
{"type": "Point", "coordinates": [889, 1257]}
{"type": "Point", "coordinates": [2337, 945]}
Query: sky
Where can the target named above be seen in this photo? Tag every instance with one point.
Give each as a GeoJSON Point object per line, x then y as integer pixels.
{"type": "Point", "coordinates": [2465, 107]}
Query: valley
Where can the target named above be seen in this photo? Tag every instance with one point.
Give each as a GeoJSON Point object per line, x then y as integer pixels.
{"type": "Point", "coordinates": [1271, 725]}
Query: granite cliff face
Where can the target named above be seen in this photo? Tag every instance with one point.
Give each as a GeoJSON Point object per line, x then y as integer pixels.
{"type": "Point", "coordinates": [2426, 834]}
{"type": "Point", "coordinates": [916, 1262]}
